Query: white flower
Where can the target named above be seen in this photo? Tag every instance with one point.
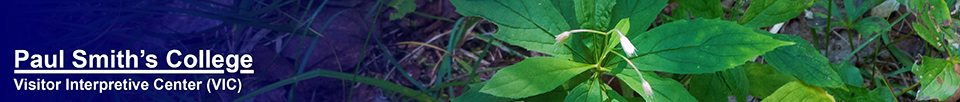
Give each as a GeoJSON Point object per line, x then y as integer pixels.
{"type": "Point", "coordinates": [626, 44]}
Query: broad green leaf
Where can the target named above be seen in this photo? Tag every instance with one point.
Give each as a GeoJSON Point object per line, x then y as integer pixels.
{"type": "Point", "coordinates": [474, 95]}
{"type": "Point", "coordinates": [575, 81]}
{"type": "Point", "coordinates": [403, 7]}
{"type": "Point", "coordinates": [717, 86]}
{"type": "Point", "coordinates": [938, 79]}
{"type": "Point", "coordinates": [803, 62]}
{"type": "Point", "coordinates": [797, 91]}
{"type": "Point", "coordinates": [872, 25]}
{"type": "Point", "coordinates": [849, 74]}
{"type": "Point", "coordinates": [641, 13]}
{"type": "Point", "coordinates": [709, 87]}
{"type": "Point", "coordinates": [531, 24]}
{"type": "Point", "coordinates": [593, 91]}
{"type": "Point", "coordinates": [567, 11]}
{"type": "Point", "coordinates": [737, 82]}
{"type": "Point", "coordinates": [764, 79]}
{"type": "Point", "coordinates": [699, 46]}
{"type": "Point", "coordinates": [762, 13]}
{"type": "Point", "coordinates": [856, 8]}
{"type": "Point", "coordinates": [532, 76]}
{"type": "Point", "coordinates": [709, 9]}
{"type": "Point", "coordinates": [933, 19]}
{"type": "Point", "coordinates": [593, 14]}
{"type": "Point", "coordinates": [664, 89]}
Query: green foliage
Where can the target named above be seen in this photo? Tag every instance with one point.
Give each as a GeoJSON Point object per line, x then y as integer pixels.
{"type": "Point", "coordinates": [666, 89]}
{"type": "Point", "coordinates": [699, 46]}
{"type": "Point", "coordinates": [593, 14]}
{"type": "Point", "coordinates": [403, 7]}
{"type": "Point", "coordinates": [933, 20]}
{"type": "Point", "coordinates": [641, 13]}
{"type": "Point", "coordinates": [938, 78]}
{"type": "Point", "coordinates": [532, 76]}
{"type": "Point", "coordinates": [803, 62]}
{"type": "Point", "coordinates": [474, 94]}
{"type": "Point", "coordinates": [764, 79]}
{"type": "Point", "coordinates": [521, 23]}
{"type": "Point", "coordinates": [593, 90]}
{"type": "Point", "coordinates": [702, 8]}
{"type": "Point", "coordinates": [856, 8]}
{"type": "Point", "coordinates": [762, 13]}
{"type": "Point", "coordinates": [798, 91]}
{"type": "Point", "coordinates": [709, 87]}
{"type": "Point", "coordinates": [849, 74]}
{"type": "Point", "coordinates": [880, 94]}
{"type": "Point", "coordinates": [872, 25]}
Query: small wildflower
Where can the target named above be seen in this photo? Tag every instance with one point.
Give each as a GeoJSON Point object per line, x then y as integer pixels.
{"type": "Point", "coordinates": [626, 44]}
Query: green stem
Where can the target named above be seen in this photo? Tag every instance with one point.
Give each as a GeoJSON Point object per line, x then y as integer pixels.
{"type": "Point", "coordinates": [826, 31]}
{"type": "Point", "coordinates": [907, 90]}
{"type": "Point", "coordinates": [888, 84]}
{"type": "Point", "coordinates": [816, 41]}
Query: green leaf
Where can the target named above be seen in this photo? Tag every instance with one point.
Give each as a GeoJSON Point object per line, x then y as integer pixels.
{"type": "Point", "coordinates": [709, 9]}
{"type": "Point", "coordinates": [699, 46]}
{"type": "Point", "coordinates": [881, 93]}
{"type": "Point", "coordinates": [593, 91]}
{"type": "Point", "coordinates": [860, 94]}
{"type": "Point", "coordinates": [872, 25]}
{"type": "Point", "coordinates": [932, 17]}
{"type": "Point", "coordinates": [803, 62]}
{"type": "Point", "coordinates": [403, 7]}
{"type": "Point", "coordinates": [531, 24]}
{"type": "Point", "coordinates": [614, 38]}
{"type": "Point", "coordinates": [567, 11]}
{"type": "Point", "coordinates": [593, 14]}
{"type": "Point", "coordinates": [764, 79]}
{"type": "Point", "coordinates": [762, 13]}
{"type": "Point", "coordinates": [474, 95]}
{"type": "Point", "coordinates": [664, 89]}
{"type": "Point", "coordinates": [532, 76]}
{"type": "Point", "coordinates": [849, 74]}
{"type": "Point", "coordinates": [641, 13]}
{"type": "Point", "coordinates": [717, 86]}
{"type": "Point", "coordinates": [937, 79]}
{"type": "Point", "coordinates": [551, 96]}
{"type": "Point", "coordinates": [798, 91]}
{"type": "Point", "coordinates": [856, 8]}
{"type": "Point", "coordinates": [737, 82]}
{"type": "Point", "coordinates": [709, 87]}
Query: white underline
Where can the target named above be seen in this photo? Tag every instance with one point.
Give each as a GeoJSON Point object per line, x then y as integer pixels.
{"type": "Point", "coordinates": [212, 71]}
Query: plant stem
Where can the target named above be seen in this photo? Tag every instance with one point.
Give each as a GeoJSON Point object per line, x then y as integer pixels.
{"type": "Point", "coordinates": [908, 89]}
{"type": "Point", "coordinates": [826, 31]}
{"type": "Point", "coordinates": [816, 41]}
